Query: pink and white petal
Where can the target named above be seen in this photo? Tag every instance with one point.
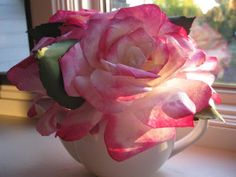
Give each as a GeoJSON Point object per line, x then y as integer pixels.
{"type": "Point", "coordinates": [210, 65]}
{"type": "Point", "coordinates": [25, 75]}
{"type": "Point", "coordinates": [132, 49]}
{"type": "Point", "coordinates": [178, 105]}
{"type": "Point", "coordinates": [124, 70]}
{"type": "Point", "coordinates": [158, 58]}
{"type": "Point", "coordinates": [67, 28]}
{"type": "Point", "coordinates": [186, 42]}
{"type": "Point", "coordinates": [168, 28]}
{"type": "Point", "coordinates": [165, 121]}
{"type": "Point", "coordinates": [74, 34]}
{"type": "Point", "coordinates": [117, 29]}
{"type": "Point", "coordinates": [198, 91]}
{"type": "Point", "coordinates": [144, 41]}
{"type": "Point", "coordinates": [203, 76]}
{"type": "Point", "coordinates": [156, 18]}
{"type": "Point", "coordinates": [170, 108]}
{"type": "Point", "coordinates": [45, 41]}
{"type": "Point", "coordinates": [86, 89]}
{"type": "Point", "coordinates": [117, 52]}
{"type": "Point", "coordinates": [177, 58]}
{"type": "Point", "coordinates": [91, 40]}
{"type": "Point", "coordinates": [216, 97]}
{"type": "Point", "coordinates": [79, 122]}
{"type": "Point", "coordinates": [125, 136]}
{"type": "Point", "coordinates": [113, 87]}
{"type": "Point", "coordinates": [172, 101]}
{"type": "Point", "coordinates": [41, 103]}
{"type": "Point", "coordinates": [95, 129]}
{"type": "Point", "coordinates": [47, 124]}
{"type": "Point", "coordinates": [73, 64]}
{"type": "Point", "coordinates": [78, 18]}
{"type": "Point", "coordinates": [61, 15]}
{"type": "Point", "coordinates": [133, 57]}
{"type": "Point", "coordinates": [32, 112]}
{"type": "Point", "coordinates": [198, 58]}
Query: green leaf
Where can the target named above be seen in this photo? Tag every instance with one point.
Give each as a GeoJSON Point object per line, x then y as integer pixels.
{"type": "Point", "coordinates": [45, 30]}
{"type": "Point", "coordinates": [185, 22]}
{"type": "Point", "coordinates": [209, 113]}
{"type": "Point", "coordinates": [50, 73]}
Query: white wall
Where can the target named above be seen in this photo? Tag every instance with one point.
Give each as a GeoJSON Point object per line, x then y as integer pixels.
{"type": "Point", "coordinates": [41, 10]}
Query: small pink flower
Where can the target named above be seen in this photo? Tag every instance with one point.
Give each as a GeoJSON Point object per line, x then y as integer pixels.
{"type": "Point", "coordinates": [140, 74]}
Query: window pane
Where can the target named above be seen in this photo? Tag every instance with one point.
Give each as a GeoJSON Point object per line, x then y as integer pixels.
{"type": "Point", "coordinates": [214, 29]}
{"type": "Point", "coordinates": [13, 37]}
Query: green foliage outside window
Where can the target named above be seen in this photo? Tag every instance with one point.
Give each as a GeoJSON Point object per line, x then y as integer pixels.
{"type": "Point", "coordinates": [179, 7]}
{"type": "Point", "coordinates": [223, 19]}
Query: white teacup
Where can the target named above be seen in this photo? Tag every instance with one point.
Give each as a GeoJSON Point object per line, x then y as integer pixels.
{"type": "Point", "coordinates": [92, 153]}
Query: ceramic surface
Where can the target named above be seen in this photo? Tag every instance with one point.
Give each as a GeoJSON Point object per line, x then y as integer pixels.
{"type": "Point", "coordinates": [92, 153]}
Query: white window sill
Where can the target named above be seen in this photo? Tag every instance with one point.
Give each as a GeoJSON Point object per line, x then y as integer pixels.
{"type": "Point", "coordinates": [24, 152]}
{"type": "Point", "coordinates": [198, 161]}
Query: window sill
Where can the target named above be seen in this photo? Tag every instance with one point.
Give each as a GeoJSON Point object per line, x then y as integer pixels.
{"type": "Point", "coordinates": [24, 152]}
{"type": "Point", "coordinates": [14, 102]}
{"type": "Point", "coordinates": [198, 161]}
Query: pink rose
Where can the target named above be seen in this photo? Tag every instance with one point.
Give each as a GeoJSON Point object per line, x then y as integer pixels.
{"type": "Point", "coordinates": [141, 77]}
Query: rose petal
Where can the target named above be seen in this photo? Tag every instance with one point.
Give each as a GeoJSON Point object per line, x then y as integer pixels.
{"type": "Point", "coordinates": [125, 139]}
{"type": "Point", "coordinates": [116, 30]}
{"type": "Point", "coordinates": [91, 40]}
{"type": "Point", "coordinates": [78, 18]}
{"type": "Point", "coordinates": [210, 65]}
{"type": "Point", "coordinates": [79, 122]}
{"type": "Point", "coordinates": [204, 76]}
{"type": "Point", "coordinates": [216, 97]}
{"type": "Point", "coordinates": [86, 89]}
{"type": "Point", "coordinates": [47, 124]}
{"type": "Point", "coordinates": [43, 42]}
{"type": "Point", "coordinates": [197, 59]}
{"type": "Point", "coordinates": [198, 91]}
{"type": "Point", "coordinates": [113, 87]}
{"type": "Point", "coordinates": [132, 49]}
{"type": "Point", "coordinates": [165, 109]}
{"type": "Point", "coordinates": [169, 28]}
{"type": "Point", "coordinates": [176, 59]}
{"type": "Point", "coordinates": [173, 103]}
{"type": "Point", "coordinates": [156, 18]}
{"type": "Point", "coordinates": [32, 112]}
{"type": "Point", "coordinates": [74, 33]}
{"type": "Point", "coordinates": [73, 64]}
{"type": "Point", "coordinates": [178, 105]}
{"type": "Point", "coordinates": [25, 75]}
{"type": "Point", "coordinates": [158, 58]}
{"type": "Point", "coordinates": [124, 70]}
{"type": "Point", "coordinates": [40, 104]}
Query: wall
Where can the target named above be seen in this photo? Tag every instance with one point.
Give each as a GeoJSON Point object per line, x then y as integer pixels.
{"type": "Point", "coordinates": [40, 11]}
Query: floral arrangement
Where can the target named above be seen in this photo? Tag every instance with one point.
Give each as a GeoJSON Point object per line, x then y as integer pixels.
{"type": "Point", "coordinates": [133, 74]}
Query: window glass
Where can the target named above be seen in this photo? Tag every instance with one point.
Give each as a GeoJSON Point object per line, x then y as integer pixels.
{"type": "Point", "coordinates": [214, 29]}
{"type": "Point", "coordinates": [13, 37]}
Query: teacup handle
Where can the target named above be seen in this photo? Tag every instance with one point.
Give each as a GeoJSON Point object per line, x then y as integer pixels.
{"type": "Point", "coordinates": [190, 138]}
